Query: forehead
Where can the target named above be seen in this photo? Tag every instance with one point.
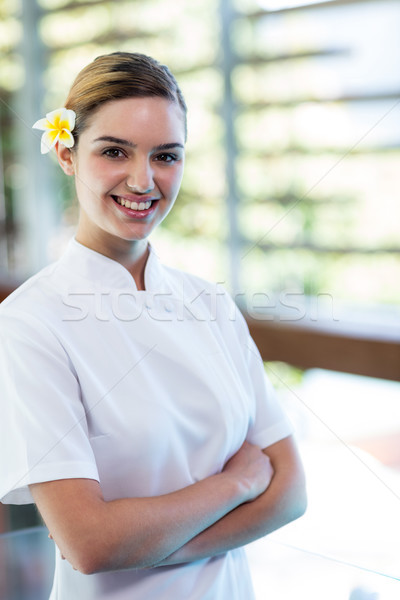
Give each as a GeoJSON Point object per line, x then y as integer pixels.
{"type": "Point", "coordinates": [141, 118]}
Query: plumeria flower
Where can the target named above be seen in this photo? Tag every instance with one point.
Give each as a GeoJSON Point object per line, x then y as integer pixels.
{"type": "Point", "coordinates": [57, 127]}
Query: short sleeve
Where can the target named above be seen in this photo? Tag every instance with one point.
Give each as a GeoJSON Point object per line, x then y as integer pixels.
{"type": "Point", "coordinates": [43, 429]}
{"type": "Point", "coordinates": [271, 423]}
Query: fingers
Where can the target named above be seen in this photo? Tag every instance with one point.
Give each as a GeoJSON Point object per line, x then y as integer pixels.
{"type": "Point", "coordinates": [62, 555]}
{"type": "Point", "coordinates": [252, 467]}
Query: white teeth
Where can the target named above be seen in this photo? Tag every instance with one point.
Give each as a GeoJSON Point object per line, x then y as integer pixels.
{"type": "Point", "coordinates": [133, 205]}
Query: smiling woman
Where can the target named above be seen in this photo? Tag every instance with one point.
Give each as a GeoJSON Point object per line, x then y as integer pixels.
{"type": "Point", "coordinates": [141, 424]}
{"type": "Point", "coordinates": [128, 167]}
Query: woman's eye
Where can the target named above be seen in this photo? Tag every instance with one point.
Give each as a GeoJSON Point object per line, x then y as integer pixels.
{"type": "Point", "coordinates": [113, 153]}
{"type": "Point", "coordinates": [166, 157]}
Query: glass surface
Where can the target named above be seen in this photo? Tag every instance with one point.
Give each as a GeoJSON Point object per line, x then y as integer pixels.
{"type": "Point", "coordinates": [281, 572]}
{"type": "Point", "coordinates": [26, 565]}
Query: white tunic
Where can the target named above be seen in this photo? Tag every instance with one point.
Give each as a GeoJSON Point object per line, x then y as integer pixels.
{"type": "Point", "coordinates": [144, 391]}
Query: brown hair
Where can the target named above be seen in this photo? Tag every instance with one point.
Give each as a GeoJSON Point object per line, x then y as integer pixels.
{"type": "Point", "coordinates": [120, 75]}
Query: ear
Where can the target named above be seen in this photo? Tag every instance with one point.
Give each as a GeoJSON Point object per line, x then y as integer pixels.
{"type": "Point", "coordinates": [66, 159]}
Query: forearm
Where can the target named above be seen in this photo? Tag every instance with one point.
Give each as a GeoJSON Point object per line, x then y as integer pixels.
{"type": "Point", "coordinates": [95, 535]}
{"type": "Point", "coordinates": [282, 502]}
{"type": "Point", "coordinates": [243, 525]}
{"type": "Point", "coordinates": [142, 531]}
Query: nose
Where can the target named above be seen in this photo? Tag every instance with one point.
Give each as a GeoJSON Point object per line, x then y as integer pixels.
{"type": "Point", "coordinates": [140, 178]}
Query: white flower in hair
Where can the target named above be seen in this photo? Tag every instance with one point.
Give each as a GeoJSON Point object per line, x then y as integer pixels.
{"type": "Point", "coordinates": [57, 127]}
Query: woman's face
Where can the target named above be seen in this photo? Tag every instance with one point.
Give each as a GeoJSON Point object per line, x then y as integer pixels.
{"type": "Point", "coordinates": [128, 168]}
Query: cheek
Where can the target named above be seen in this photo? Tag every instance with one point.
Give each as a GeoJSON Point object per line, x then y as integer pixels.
{"type": "Point", "coordinates": [107, 174]}
{"type": "Point", "coordinates": [172, 181]}
{"type": "Point", "coordinates": [99, 177]}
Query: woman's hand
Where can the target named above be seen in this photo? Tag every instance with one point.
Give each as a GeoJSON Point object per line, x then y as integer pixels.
{"type": "Point", "coordinates": [61, 554]}
{"type": "Point", "coordinates": [252, 467]}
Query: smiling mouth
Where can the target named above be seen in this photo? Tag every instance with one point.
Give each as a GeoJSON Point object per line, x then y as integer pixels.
{"type": "Point", "coordinates": [133, 205]}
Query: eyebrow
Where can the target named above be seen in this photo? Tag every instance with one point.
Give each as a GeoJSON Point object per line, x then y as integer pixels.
{"type": "Point", "coordinates": [115, 140]}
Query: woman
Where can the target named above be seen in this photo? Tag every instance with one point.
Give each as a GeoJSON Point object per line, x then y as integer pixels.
{"type": "Point", "coordinates": [135, 409]}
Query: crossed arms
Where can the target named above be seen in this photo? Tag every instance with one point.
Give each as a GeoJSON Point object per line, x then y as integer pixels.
{"type": "Point", "coordinates": [257, 492]}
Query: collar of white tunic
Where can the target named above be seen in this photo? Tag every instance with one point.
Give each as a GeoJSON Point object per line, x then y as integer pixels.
{"type": "Point", "coordinates": [96, 267]}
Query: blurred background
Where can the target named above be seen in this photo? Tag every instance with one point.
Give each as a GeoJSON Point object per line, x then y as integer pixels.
{"type": "Point", "coordinates": [291, 200]}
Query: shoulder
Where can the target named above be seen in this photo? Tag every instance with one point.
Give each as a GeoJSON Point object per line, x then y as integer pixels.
{"type": "Point", "coordinates": [37, 298]}
{"type": "Point", "coordinates": [31, 321]}
{"type": "Point", "coordinates": [26, 290]}
{"type": "Point", "coordinates": [213, 296]}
